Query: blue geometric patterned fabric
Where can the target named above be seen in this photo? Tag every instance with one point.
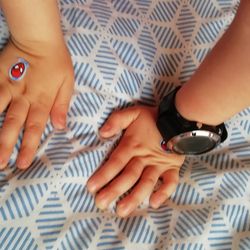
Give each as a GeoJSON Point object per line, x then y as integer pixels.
{"type": "Point", "coordinates": [127, 51]}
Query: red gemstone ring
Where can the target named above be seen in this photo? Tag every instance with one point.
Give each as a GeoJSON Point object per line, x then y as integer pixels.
{"type": "Point", "coordinates": [17, 71]}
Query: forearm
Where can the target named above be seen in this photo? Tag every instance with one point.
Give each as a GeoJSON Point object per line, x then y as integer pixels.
{"type": "Point", "coordinates": [32, 21]}
{"type": "Point", "coordinates": [220, 88]}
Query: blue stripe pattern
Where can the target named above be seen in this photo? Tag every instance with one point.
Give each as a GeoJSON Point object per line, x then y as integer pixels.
{"type": "Point", "coordinates": [191, 223]}
{"type": "Point", "coordinates": [17, 238]}
{"type": "Point", "coordinates": [109, 239]}
{"type": "Point", "coordinates": [164, 11]}
{"type": "Point", "coordinates": [80, 234]}
{"type": "Point", "coordinates": [22, 201]}
{"type": "Point", "coordinates": [51, 220]}
{"type": "Point", "coordinates": [126, 52]}
{"type": "Point", "coordinates": [137, 229]}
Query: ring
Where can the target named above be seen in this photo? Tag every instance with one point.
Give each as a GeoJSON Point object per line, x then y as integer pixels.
{"type": "Point", "coordinates": [17, 71]}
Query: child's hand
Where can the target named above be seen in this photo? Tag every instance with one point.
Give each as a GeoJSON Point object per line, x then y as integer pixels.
{"type": "Point", "coordinates": [45, 89]}
{"type": "Point", "coordinates": [138, 162]}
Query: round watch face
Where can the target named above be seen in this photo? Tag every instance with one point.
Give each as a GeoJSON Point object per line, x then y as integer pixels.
{"type": "Point", "coordinates": [194, 142]}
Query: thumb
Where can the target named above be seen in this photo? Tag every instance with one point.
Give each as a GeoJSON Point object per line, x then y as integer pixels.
{"type": "Point", "coordinates": [118, 121]}
{"type": "Point", "coordinates": [58, 113]}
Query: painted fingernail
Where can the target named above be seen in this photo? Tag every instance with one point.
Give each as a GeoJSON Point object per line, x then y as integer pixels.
{"type": "Point", "coordinates": [124, 210]}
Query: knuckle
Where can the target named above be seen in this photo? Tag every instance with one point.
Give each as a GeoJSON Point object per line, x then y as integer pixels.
{"type": "Point", "coordinates": [12, 119]}
{"type": "Point", "coordinates": [42, 101]}
{"type": "Point", "coordinates": [138, 161]}
{"type": "Point", "coordinates": [33, 127]}
{"type": "Point", "coordinates": [134, 143]}
{"type": "Point", "coordinates": [40, 109]}
{"type": "Point", "coordinates": [21, 101]}
{"type": "Point", "coordinates": [132, 171]}
{"type": "Point", "coordinates": [148, 180]}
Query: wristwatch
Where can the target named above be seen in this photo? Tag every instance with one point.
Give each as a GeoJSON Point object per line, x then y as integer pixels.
{"type": "Point", "coordinates": [186, 137]}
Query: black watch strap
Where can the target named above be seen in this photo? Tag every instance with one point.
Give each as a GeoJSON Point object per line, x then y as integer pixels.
{"type": "Point", "coordinates": [170, 122]}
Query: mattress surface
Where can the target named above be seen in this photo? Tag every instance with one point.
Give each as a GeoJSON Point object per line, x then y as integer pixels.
{"type": "Point", "coordinates": [126, 52]}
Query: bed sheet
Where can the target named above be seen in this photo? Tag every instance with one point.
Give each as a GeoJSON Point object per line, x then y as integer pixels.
{"type": "Point", "coordinates": [127, 51]}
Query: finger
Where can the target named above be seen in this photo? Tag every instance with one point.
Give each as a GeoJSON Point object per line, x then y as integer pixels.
{"type": "Point", "coordinates": [5, 97]}
{"type": "Point", "coordinates": [139, 193]}
{"type": "Point", "coordinates": [120, 184]}
{"type": "Point", "coordinates": [34, 126]}
{"type": "Point", "coordinates": [116, 162]}
{"type": "Point", "coordinates": [58, 113]}
{"type": "Point", "coordinates": [170, 182]}
{"type": "Point", "coordinates": [12, 125]}
{"type": "Point", "coordinates": [118, 121]}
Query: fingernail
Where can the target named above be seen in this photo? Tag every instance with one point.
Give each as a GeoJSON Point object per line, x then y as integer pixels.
{"type": "Point", "coordinates": [102, 201]}
{"type": "Point", "coordinates": [158, 202]}
{"type": "Point", "coordinates": [22, 163]}
{"type": "Point", "coordinates": [105, 128]}
{"type": "Point", "coordinates": [61, 124]}
{"type": "Point", "coordinates": [124, 210]}
{"type": "Point", "coordinates": [91, 186]}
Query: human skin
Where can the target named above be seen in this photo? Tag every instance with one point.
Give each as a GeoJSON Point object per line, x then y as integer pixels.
{"type": "Point", "coordinates": [46, 88]}
{"type": "Point", "coordinates": [219, 89]}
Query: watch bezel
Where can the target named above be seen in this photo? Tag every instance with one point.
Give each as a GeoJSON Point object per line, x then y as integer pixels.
{"type": "Point", "coordinates": [201, 133]}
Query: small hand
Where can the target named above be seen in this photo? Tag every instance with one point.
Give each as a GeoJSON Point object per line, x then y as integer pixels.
{"type": "Point", "coordinates": [45, 89]}
{"type": "Point", "coordinates": [137, 162]}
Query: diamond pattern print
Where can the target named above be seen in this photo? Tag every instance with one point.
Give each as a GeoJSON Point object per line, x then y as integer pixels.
{"type": "Point", "coordinates": [122, 52]}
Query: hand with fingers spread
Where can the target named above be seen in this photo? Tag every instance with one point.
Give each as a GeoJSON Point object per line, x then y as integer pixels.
{"type": "Point", "coordinates": [36, 77]}
{"type": "Point", "coordinates": [190, 121]}
{"type": "Point", "coordinates": [138, 162]}
{"type": "Point", "coordinates": [45, 89]}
